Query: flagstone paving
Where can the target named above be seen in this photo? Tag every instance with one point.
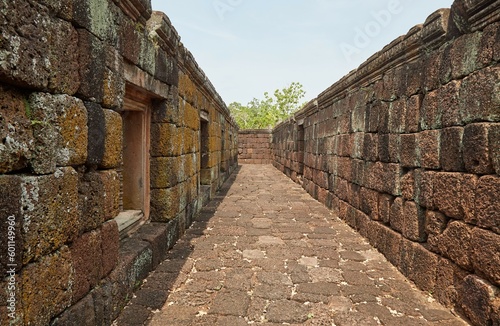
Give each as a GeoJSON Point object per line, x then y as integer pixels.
{"type": "Point", "coordinates": [265, 252]}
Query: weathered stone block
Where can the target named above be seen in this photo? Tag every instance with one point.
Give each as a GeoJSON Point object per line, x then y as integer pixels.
{"type": "Point", "coordinates": [408, 185]}
{"type": "Point", "coordinates": [165, 171]}
{"type": "Point", "coordinates": [455, 243]}
{"type": "Point", "coordinates": [130, 36]}
{"type": "Point", "coordinates": [98, 17]}
{"type": "Point", "coordinates": [389, 244]}
{"type": "Point", "coordinates": [363, 223]}
{"type": "Point", "coordinates": [435, 222]}
{"type": "Point", "coordinates": [424, 188]}
{"type": "Point", "coordinates": [389, 148]}
{"type": "Point", "coordinates": [425, 267]}
{"type": "Point", "coordinates": [86, 257]}
{"type": "Point", "coordinates": [487, 204]}
{"type": "Point", "coordinates": [397, 115]}
{"type": "Point", "coordinates": [431, 77]}
{"type": "Point", "coordinates": [166, 140]}
{"type": "Point", "coordinates": [47, 287]}
{"type": "Point", "coordinates": [451, 149]}
{"type": "Point", "coordinates": [449, 104]}
{"type": "Point", "coordinates": [429, 149]}
{"type": "Point", "coordinates": [413, 73]}
{"type": "Point", "coordinates": [490, 48]}
{"type": "Point", "coordinates": [358, 118]}
{"type": "Point", "coordinates": [494, 146]}
{"type": "Point", "coordinates": [91, 70]}
{"type": "Point", "coordinates": [110, 297]}
{"type": "Point", "coordinates": [464, 55]}
{"type": "Point", "coordinates": [341, 189]}
{"type": "Point", "coordinates": [166, 68]}
{"type": "Point", "coordinates": [147, 55]}
{"type": "Point", "coordinates": [110, 244]}
{"type": "Point", "coordinates": [136, 261]}
{"type": "Point", "coordinates": [409, 151]}
{"type": "Point", "coordinates": [352, 195]}
{"type": "Point", "coordinates": [188, 140]}
{"type": "Point", "coordinates": [49, 211]}
{"type": "Point", "coordinates": [165, 203]}
{"type": "Point", "coordinates": [167, 111]}
{"type": "Point", "coordinates": [111, 186]}
{"type": "Point", "coordinates": [413, 222]}
{"type": "Point", "coordinates": [479, 94]}
{"type": "Point", "coordinates": [486, 246]}
{"type": "Point", "coordinates": [80, 314]}
{"type": "Point", "coordinates": [38, 58]}
{"type": "Point", "coordinates": [344, 168]}
{"type": "Point", "coordinates": [60, 131]}
{"type": "Point", "coordinates": [369, 202]}
{"type": "Point", "coordinates": [56, 7]}
{"type": "Point", "coordinates": [191, 167]}
{"type": "Point", "coordinates": [384, 205]}
{"type": "Point", "coordinates": [445, 68]}
{"type": "Point", "coordinates": [449, 278]}
{"type": "Point", "coordinates": [390, 87]}
{"type": "Point", "coordinates": [476, 152]}
{"type": "Point", "coordinates": [407, 257]}
{"type": "Point", "coordinates": [430, 114]}
{"type": "Point", "coordinates": [321, 179]}
{"type": "Point", "coordinates": [113, 140]}
{"type": "Point", "coordinates": [370, 151]}
{"type": "Point", "coordinates": [454, 194]}
{"type": "Point", "coordinates": [357, 142]}
{"type": "Point", "coordinates": [396, 218]}
{"type": "Point", "coordinates": [391, 179]}
{"type": "Point", "coordinates": [91, 204]}
{"type": "Point", "coordinates": [351, 217]}
{"type": "Point", "coordinates": [15, 131]}
{"type": "Point", "coordinates": [96, 133]}
{"type": "Point", "coordinates": [476, 298]}
{"type": "Point", "coordinates": [113, 89]}
{"type": "Point", "coordinates": [156, 235]}
{"type": "Point", "coordinates": [192, 117]}
{"type": "Point", "coordinates": [412, 118]}
{"type": "Point", "coordinates": [373, 111]}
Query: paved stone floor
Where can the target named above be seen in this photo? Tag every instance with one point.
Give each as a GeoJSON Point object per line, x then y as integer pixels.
{"type": "Point", "coordinates": [267, 253]}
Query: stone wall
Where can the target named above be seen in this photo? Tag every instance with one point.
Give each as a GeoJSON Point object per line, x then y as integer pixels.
{"type": "Point", "coordinates": [406, 149]}
{"type": "Point", "coordinates": [101, 114]}
{"type": "Point", "coordinates": [254, 146]}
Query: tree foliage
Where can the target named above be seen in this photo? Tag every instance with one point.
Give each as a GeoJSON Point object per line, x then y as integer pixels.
{"type": "Point", "coordinates": [266, 113]}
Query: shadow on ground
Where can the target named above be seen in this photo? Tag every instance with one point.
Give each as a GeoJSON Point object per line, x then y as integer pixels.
{"type": "Point", "coordinates": [156, 288]}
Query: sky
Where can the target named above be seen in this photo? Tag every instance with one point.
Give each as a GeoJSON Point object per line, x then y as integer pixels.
{"type": "Point", "coordinates": [248, 47]}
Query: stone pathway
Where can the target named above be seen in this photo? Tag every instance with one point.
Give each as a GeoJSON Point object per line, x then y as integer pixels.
{"type": "Point", "coordinates": [267, 253]}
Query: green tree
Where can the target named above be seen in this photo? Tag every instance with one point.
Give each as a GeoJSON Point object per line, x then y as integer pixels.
{"type": "Point", "coordinates": [271, 110]}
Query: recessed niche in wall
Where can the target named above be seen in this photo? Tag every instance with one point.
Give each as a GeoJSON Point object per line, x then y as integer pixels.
{"type": "Point", "coordinates": [135, 176]}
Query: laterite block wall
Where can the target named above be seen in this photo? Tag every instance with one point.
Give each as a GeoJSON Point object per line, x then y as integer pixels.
{"type": "Point", "coordinates": [254, 146]}
{"type": "Point", "coordinates": [81, 83]}
{"type": "Point", "coordinates": [406, 149]}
